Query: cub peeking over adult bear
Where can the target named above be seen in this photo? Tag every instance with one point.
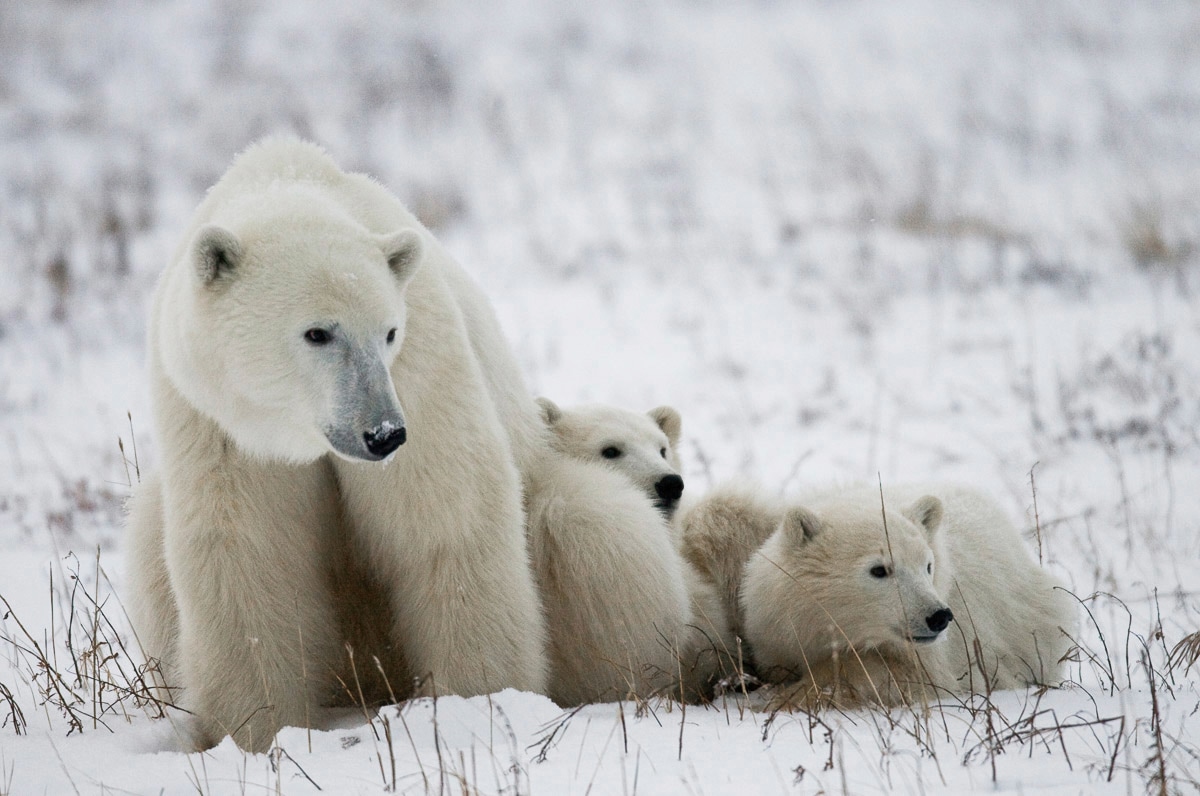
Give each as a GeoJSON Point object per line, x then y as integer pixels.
{"type": "Point", "coordinates": [642, 446]}
{"type": "Point", "coordinates": [307, 329]}
{"type": "Point", "coordinates": [611, 580]}
{"type": "Point", "coordinates": [599, 523]}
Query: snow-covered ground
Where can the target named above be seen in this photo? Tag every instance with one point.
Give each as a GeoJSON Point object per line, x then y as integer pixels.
{"type": "Point", "coordinates": [848, 240]}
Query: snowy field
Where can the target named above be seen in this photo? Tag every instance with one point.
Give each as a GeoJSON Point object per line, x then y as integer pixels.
{"type": "Point", "coordinates": [850, 241]}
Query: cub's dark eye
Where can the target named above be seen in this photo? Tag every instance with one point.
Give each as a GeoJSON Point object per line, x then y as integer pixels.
{"type": "Point", "coordinates": [929, 568]}
{"type": "Point", "coordinates": [317, 336]}
{"type": "Point", "coordinates": [611, 452]}
{"type": "Point", "coordinates": [391, 337]}
{"type": "Point", "coordinates": [879, 571]}
{"type": "Point", "coordinates": [662, 452]}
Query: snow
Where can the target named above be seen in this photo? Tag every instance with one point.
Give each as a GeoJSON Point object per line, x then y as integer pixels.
{"type": "Point", "coordinates": [848, 241]}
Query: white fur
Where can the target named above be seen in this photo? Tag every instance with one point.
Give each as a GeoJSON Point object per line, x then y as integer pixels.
{"type": "Point", "coordinates": [267, 573]}
{"type": "Point", "coordinates": [720, 532]}
{"type": "Point", "coordinates": [152, 611]}
{"type": "Point", "coordinates": [647, 445]}
{"type": "Point", "coordinates": [812, 606]}
{"type": "Point", "coordinates": [612, 583]}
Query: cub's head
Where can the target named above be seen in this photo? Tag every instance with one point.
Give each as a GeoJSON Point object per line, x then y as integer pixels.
{"type": "Point", "coordinates": [281, 324]}
{"type": "Point", "coordinates": [641, 446]}
{"type": "Point", "coordinates": [835, 579]}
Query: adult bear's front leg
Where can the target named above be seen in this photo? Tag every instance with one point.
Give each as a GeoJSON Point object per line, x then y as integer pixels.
{"type": "Point", "coordinates": [467, 608]}
{"type": "Point", "coordinates": [443, 522]}
{"type": "Point", "coordinates": [246, 549]}
{"type": "Point", "coordinates": [151, 602]}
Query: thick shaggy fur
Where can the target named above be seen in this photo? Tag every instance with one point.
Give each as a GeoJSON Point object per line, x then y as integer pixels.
{"type": "Point", "coordinates": [857, 611]}
{"type": "Point", "coordinates": [719, 534]}
{"type": "Point", "coordinates": [255, 553]}
{"type": "Point", "coordinates": [644, 448]}
{"type": "Point", "coordinates": [611, 581]}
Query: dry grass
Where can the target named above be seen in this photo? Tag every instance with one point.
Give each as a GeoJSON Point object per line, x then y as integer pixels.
{"type": "Point", "coordinates": [82, 671]}
{"type": "Point", "coordinates": [86, 679]}
{"type": "Point", "coordinates": [82, 236]}
{"type": "Point", "coordinates": [1158, 250]}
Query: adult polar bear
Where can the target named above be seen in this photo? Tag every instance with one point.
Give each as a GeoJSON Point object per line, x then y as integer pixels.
{"type": "Point", "coordinates": [294, 292]}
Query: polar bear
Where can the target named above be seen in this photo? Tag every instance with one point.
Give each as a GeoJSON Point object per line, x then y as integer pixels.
{"type": "Point", "coordinates": [341, 429]}
{"type": "Point", "coordinates": [921, 592]}
{"type": "Point", "coordinates": [644, 448]}
{"type": "Point", "coordinates": [719, 533]}
{"type": "Point", "coordinates": [612, 582]}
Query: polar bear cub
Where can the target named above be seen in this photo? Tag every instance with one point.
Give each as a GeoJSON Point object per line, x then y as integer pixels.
{"type": "Point", "coordinates": [718, 534]}
{"type": "Point", "coordinates": [611, 581]}
{"type": "Point", "coordinates": [643, 447]}
{"type": "Point", "coordinates": [918, 593]}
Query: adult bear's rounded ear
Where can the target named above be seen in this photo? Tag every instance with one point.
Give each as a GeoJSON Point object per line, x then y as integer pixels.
{"type": "Point", "coordinates": [550, 411]}
{"type": "Point", "coordinates": [403, 251]}
{"type": "Point", "coordinates": [216, 253]}
{"type": "Point", "coordinates": [801, 525]}
{"type": "Point", "coordinates": [669, 421]}
{"type": "Point", "coordinates": [926, 512]}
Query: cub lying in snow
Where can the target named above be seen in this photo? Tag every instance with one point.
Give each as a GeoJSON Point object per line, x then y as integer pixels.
{"type": "Point", "coordinates": [930, 593]}
{"type": "Point", "coordinates": [625, 612]}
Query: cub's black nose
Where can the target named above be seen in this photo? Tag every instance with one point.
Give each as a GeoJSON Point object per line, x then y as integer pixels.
{"type": "Point", "coordinates": [938, 620]}
{"type": "Point", "coordinates": [669, 488]}
{"type": "Point", "coordinates": [384, 440]}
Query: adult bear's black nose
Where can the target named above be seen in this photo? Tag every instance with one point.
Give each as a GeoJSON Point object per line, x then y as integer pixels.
{"type": "Point", "coordinates": [384, 440]}
{"type": "Point", "coordinates": [939, 619]}
{"type": "Point", "coordinates": [669, 488]}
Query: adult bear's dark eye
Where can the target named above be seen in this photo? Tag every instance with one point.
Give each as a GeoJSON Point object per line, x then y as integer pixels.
{"type": "Point", "coordinates": [929, 568]}
{"type": "Point", "coordinates": [317, 336]}
{"type": "Point", "coordinates": [611, 452]}
{"type": "Point", "coordinates": [662, 452]}
{"type": "Point", "coordinates": [391, 338]}
{"type": "Point", "coordinates": [879, 571]}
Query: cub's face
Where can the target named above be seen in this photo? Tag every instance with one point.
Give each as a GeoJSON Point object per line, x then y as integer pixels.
{"type": "Point", "coordinates": [286, 333]}
{"type": "Point", "coordinates": [859, 584]}
{"type": "Point", "coordinates": [642, 447]}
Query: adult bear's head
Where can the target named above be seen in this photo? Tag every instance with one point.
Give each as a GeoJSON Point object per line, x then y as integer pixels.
{"type": "Point", "coordinates": [282, 325]}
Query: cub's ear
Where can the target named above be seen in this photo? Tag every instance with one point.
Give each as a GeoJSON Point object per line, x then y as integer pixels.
{"type": "Point", "coordinates": [216, 253]}
{"type": "Point", "coordinates": [801, 525]}
{"type": "Point", "coordinates": [926, 512]}
{"type": "Point", "coordinates": [403, 251]}
{"type": "Point", "coordinates": [669, 421]}
{"type": "Point", "coordinates": [551, 414]}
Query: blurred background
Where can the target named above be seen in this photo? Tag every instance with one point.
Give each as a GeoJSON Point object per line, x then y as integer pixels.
{"type": "Point", "coordinates": [849, 240]}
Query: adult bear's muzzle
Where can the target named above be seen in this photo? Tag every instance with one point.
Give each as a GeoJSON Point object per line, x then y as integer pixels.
{"type": "Point", "coordinates": [385, 439]}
